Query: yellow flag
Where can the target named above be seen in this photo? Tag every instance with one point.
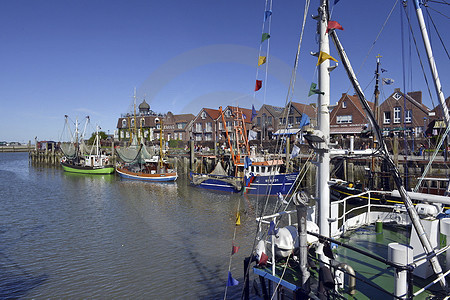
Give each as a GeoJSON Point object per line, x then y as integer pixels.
{"type": "Point", "coordinates": [324, 56]}
{"type": "Point", "coordinates": [238, 219]}
{"type": "Point", "coordinates": [261, 60]}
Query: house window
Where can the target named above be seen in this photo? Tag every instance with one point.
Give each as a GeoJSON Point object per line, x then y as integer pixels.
{"type": "Point", "coordinates": [208, 137]}
{"type": "Point", "coordinates": [220, 126]}
{"type": "Point", "coordinates": [198, 137]}
{"type": "Point", "coordinates": [228, 113]}
{"type": "Point", "coordinates": [208, 127]}
{"type": "Point", "coordinates": [397, 114]}
{"type": "Point", "coordinates": [269, 119]}
{"type": "Point", "coordinates": [290, 120]}
{"type": "Point", "coordinates": [344, 104]}
{"type": "Point", "coordinates": [387, 117]}
{"type": "Point", "coordinates": [258, 121]}
{"type": "Point", "coordinates": [132, 122]}
{"type": "Point", "coordinates": [281, 121]}
{"type": "Point", "coordinates": [204, 115]}
{"type": "Point", "coordinates": [124, 123]}
{"type": "Point", "coordinates": [142, 122]}
{"type": "Point", "coordinates": [198, 127]}
{"type": "Point", "coordinates": [228, 125]}
{"type": "Point", "coordinates": [297, 120]}
{"type": "Point", "coordinates": [180, 125]}
{"type": "Point", "coordinates": [408, 116]}
{"type": "Point", "coordinates": [180, 136]}
{"type": "Point", "coordinates": [344, 119]}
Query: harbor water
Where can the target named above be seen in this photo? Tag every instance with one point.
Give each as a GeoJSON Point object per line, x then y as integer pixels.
{"type": "Point", "coordinates": [66, 235]}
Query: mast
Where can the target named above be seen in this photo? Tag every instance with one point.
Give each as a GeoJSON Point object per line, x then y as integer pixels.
{"type": "Point", "coordinates": [415, 219]}
{"type": "Point", "coordinates": [376, 112]}
{"type": "Point", "coordinates": [431, 62]}
{"type": "Point", "coordinates": [324, 124]}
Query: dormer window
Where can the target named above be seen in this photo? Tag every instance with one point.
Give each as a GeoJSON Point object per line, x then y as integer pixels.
{"type": "Point", "coordinates": [124, 123]}
{"type": "Point", "coordinates": [344, 104]}
{"type": "Point", "coordinates": [228, 113]}
{"type": "Point", "coordinates": [204, 115]}
{"type": "Point", "coordinates": [142, 122]}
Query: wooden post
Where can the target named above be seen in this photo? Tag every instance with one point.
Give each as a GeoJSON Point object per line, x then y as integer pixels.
{"type": "Point", "coordinates": [395, 150]}
{"type": "Point", "coordinates": [191, 142]}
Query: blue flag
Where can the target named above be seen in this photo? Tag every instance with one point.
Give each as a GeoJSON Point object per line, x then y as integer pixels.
{"type": "Point", "coordinates": [231, 281]}
{"type": "Point", "coordinates": [304, 121]}
{"type": "Point", "coordinates": [272, 229]}
{"type": "Point", "coordinates": [254, 113]}
{"type": "Point", "coordinates": [247, 162]}
{"type": "Point", "coordinates": [267, 14]}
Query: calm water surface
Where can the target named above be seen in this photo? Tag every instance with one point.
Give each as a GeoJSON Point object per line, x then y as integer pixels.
{"type": "Point", "coordinates": [81, 236]}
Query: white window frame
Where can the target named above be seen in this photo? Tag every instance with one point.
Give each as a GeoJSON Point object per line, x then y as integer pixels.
{"type": "Point", "coordinates": [408, 116]}
{"type": "Point", "coordinates": [344, 104]}
{"type": "Point", "coordinates": [386, 120]}
{"type": "Point", "coordinates": [397, 114]}
{"type": "Point", "coordinates": [344, 119]}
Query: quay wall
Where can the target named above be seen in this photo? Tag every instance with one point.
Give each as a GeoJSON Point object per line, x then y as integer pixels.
{"type": "Point", "coordinates": [355, 170]}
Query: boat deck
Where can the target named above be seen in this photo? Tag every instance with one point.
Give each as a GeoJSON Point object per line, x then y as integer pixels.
{"type": "Point", "coordinates": [372, 276]}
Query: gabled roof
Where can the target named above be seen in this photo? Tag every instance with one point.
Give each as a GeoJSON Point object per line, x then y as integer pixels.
{"type": "Point", "coordinates": [275, 111]}
{"type": "Point", "coordinates": [213, 113]}
{"type": "Point", "coordinates": [356, 103]}
{"type": "Point", "coordinates": [309, 109]}
{"type": "Point", "coordinates": [409, 97]}
{"type": "Point", "coordinates": [438, 110]}
{"type": "Point", "coordinates": [183, 118]}
{"type": "Point", "coordinates": [245, 111]}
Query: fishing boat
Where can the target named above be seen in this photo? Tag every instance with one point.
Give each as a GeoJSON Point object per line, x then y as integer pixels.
{"type": "Point", "coordinates": [79, 159]}
{"type": "Point", "coordinates": [247, 172]}
{"type": "Point", "coordinates": [138, 163]}
{"type": "Point", "coordinates": [327, 249]}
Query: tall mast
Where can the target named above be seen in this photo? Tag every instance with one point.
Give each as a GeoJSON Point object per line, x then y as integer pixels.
{"type": "Point", "coordinates": [431, 62]}
{"type": "Point", "coordinates": [376, 115]}
{"type": "Point", "coordinates": [135, 128]}
{"type": "Point", "coordinates": [324, 124]}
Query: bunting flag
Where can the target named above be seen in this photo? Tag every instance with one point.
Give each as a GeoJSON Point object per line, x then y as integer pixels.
{"type": "Point", "coordinates": [323, 57]}
{"type": "Point", "coordinates": [263, 259]}
{"type": "Point", "coordinates": [383, 70]}
{"type": "Point", "coordinates": [231, 281]}
{"type": "Point", "coordinates": [235, 249]}
{"type": "Point", "coordinates": [261, 60]}
{"type": "Point", "coordinates": [254, 113]}
{"type": "Point", "coordinates": [304, 121]}
{"type": "Point", "coordinates": [247, 162]}
{"type": "Point", "coordinates": [252, 135]}
{"type": "Point", "coordinates": [295, 151]}
{"type": "Point", "coordinates": [333, 25]}
{"type": "Point", "coordinates": [272, 229]}
{"type": "Point", "coordinates": [267, 14]}
{"type": "Point", "coordinates": [238, 219]}
{"type": "Point", "coordinates": [265, 36]}
{"type": "Point", "coordinates": [258, 85]}
{"type": "Point", "coordinates": [313, 90]}
{"type": "Point", "coordinates": [388, 81]}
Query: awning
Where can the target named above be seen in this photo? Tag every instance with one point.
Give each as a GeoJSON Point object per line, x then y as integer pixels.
{"type": "Point", "coordinates": [289, 131]}
{"type": "Point", "coordinates": [345, 130]}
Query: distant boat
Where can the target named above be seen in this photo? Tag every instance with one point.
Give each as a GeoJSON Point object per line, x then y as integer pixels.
{"type": "Point", "coordinates": [77, 157]}
{"type": "Point", "coordinates": [247, 172]}
{"type": "Point", "coordinates": [137, 163]}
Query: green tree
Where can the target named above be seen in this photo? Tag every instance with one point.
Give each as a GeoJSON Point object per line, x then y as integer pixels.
{"type": "Point", "coordinates": [101, 134]}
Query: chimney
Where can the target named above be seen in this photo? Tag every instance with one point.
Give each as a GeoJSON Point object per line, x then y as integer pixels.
{"type": "Point", "coordinates": [416, 96]}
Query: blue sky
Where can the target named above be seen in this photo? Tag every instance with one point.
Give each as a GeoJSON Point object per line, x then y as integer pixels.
{"type": "Point", "coordinates": [86, 57]}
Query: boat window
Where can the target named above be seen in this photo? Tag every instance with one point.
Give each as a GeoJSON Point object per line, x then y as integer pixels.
{"type": "Point", "coordinates": [433, 184]}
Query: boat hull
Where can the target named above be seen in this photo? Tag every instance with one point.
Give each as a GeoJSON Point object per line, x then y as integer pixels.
{"type": "Point", "coordinates": [271, 184]}
{"type": "Point", "coordinates": [87, 169]}
{"type": "Point", "coordinates": [157, 177]}
{"type": "Point", "coordinates": [216, 182]}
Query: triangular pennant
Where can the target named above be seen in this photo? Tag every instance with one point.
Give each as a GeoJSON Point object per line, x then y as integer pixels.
{"type": "Point", "coordinates": [383, 70]}
{"type": "Point", "coordinates": [258, 85]}
{"type": "Point", "coordinates": [333, 25]}
{"type": "Point", "coordinates": [313, 90]}
{"type": "Point", "coordinates": [272, 229]}
{"type": "Point", "coordinates": [238, 219]}
{"type": "Point", "coordinates": [324, 56]}
{"type": "Point", "coordinates": [265, 36]}
{"type": "Point", "coordinates": [261, 60]}
{"type": "Point", "coordinates": [267, 14]}
{"type": "Point", "coordinates": [234, 249]}
{"type": "Point", "coordinates": [231, 281]}
{"type": "Point", "coordinates": [263, 259]}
